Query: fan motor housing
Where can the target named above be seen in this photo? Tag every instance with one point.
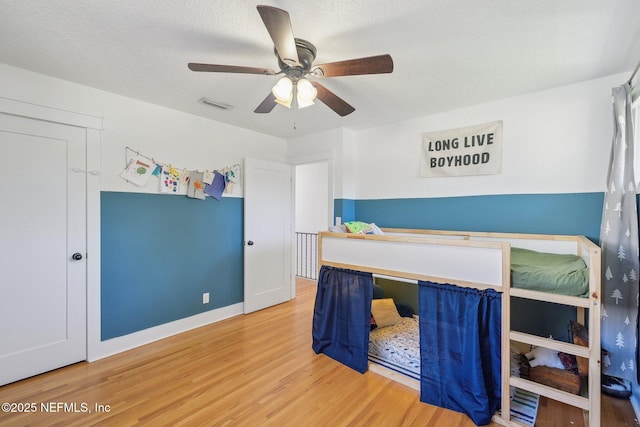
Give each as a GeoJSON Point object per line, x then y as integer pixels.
{"type": "Point", "coordinates": [306, 56]}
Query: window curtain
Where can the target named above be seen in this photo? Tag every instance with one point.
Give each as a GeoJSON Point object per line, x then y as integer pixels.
{"type": "Point", "coordinates": [619, 243]}
{"type": "Point", "coordinates": [460, 346]}
{"type": "Point", "coordinates": [342, 316]}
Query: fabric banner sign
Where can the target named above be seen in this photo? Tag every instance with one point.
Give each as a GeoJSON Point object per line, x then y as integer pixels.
{"type": "Point", "coordinates": [472, 150]}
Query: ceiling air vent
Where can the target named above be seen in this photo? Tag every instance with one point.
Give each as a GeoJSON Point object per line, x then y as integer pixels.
{"type": "Point", "coordinates": [218, 104]}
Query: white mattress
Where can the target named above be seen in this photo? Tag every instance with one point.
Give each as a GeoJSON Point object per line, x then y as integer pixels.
{"type": "Point", "coordinates": [397, 347]}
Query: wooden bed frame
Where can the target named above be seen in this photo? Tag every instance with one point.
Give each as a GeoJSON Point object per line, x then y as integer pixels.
{"type": "Point", "coordinates": [482, 260]}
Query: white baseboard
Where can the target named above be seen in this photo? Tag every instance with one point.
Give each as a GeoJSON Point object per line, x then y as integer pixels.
{"type": "Point", "coordinates": [102, 349]}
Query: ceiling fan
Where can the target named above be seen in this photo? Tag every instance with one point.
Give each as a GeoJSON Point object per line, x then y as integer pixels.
{"type": "Point", "coordinates": [295, 59]}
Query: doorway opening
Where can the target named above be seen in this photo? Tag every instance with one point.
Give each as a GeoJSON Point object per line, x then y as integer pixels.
{"type": "Point", "coordinates": [313, 213]}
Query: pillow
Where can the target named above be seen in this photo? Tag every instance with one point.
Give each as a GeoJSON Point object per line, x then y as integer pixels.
{"type": "Point", "coordinates": [375, 229]}
{"type": "Point", "coordinates": [358, 227]}
{"type": "Point", "coordinates": [385, 312]}
{"type": "Point", "coordinates": [338, 228]}
{"type": "Point", "coordinates": [541, 356]}
{"type": "Point", "coordinates": [404, 310]}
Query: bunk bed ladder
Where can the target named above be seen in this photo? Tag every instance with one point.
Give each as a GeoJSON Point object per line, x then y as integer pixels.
{"type": "Point", "coordinates": [591, 405]}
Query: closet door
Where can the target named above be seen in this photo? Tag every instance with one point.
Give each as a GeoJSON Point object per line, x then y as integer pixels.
{"type": "Point", "coordinates": [43, 237]}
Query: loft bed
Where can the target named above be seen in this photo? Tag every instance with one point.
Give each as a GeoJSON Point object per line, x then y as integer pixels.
{"type": "Point", "coordinates": [479, 261]}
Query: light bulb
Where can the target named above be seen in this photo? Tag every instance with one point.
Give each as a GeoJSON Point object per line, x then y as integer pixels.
{"type": "Point", "coordinates": [306, 93]}
{"type": "Point", "coordinates": [283, 90]}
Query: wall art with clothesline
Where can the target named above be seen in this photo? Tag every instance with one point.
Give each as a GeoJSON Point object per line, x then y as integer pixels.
{"type": "Point", "coordinates": [179, 181]}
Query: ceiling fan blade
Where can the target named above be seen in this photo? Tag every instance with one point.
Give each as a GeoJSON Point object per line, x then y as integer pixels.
{"type": "Point", "coordinates": [267, 105]}
{"type": "Point", "coordinates": [279, 27]}
{"type": "Point", "coordinates": [332, 100]}
{"type": "Point", "coordinates": [214, 68]}
{"type": "Point", "coordinates": [370, 65]}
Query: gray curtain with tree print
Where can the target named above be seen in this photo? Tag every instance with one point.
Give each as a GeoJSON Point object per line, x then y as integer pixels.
{"type": "Point", "coordinates": [619, 242]}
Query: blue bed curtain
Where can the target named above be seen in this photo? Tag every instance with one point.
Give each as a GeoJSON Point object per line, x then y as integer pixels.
{"type": "Point", "coordinates": [460, 345]}
{"type": "Point", "coordinates": [342, 316]}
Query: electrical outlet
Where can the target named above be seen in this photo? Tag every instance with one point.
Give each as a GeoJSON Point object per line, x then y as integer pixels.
{"type": "Point", "coordinates": [205, 298]}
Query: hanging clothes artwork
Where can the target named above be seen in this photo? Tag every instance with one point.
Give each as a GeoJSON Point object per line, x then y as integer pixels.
{"type": "Point", "coordinates": [231, 177]}
{"type": "Point", "coordinates": [179, 181]}
{"type": "Point", "coordinates": [196, 186]}
{"type": "Point", "coordinates": [216, 187]}
{"type": "Point", "coordinates": [170, 180]}
{"type": "Point", "coordinates": [619, 243]}
{"type": "Point", "coordinates": [138, 170]}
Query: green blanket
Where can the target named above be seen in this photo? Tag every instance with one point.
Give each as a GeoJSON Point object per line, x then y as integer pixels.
{"type": "Point", "coordinates": [545, 272]}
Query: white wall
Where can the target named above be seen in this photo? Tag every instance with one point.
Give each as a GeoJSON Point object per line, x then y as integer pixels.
{"type": "Point", "coordinates": [554, 141]}
{"type": "Point", "coordinates": [311, 198]}
{"type": "Point", "coordinates": [339, 143]}
{"type": "Point", "coordinates": [184, 140]}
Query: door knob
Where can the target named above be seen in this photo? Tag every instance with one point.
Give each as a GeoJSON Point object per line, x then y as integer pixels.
{"type": "Point", "coordinates": [250, 243]}
{"type": "Point", "coordinates": [77, 256]}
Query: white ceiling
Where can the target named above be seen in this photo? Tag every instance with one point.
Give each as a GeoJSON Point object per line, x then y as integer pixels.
{"type": "Point", "coordinates": [447, 53]}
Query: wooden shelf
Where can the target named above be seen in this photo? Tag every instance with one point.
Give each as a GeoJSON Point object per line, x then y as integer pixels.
{"type": "Point", "coordinates": [551, 393]}
{"type": "Point", "coordinates": [554, 298]}
{"type": "Point", "coordinates": [576, 350]}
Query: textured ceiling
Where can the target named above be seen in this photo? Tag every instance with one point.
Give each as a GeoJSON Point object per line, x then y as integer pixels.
{"type": "Point", "coordinates": [447, 54]}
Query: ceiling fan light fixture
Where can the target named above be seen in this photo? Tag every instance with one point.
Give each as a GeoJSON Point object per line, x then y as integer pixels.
{"type": "Point", "coordinates": [317, 72]}
{"type": "Point", "coordinates": [296, 59]}
{"type": "Point", "coordinates": [304, 103]}
{"type": "Point", "coordinates": [285, 102]}
{"type": "Point", "coordinates": [283, 90]}
{"type": "Point", "coordinates": [306, 93]}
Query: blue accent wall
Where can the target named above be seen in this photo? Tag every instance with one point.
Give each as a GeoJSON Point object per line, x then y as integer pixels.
{"type": "Point", "coordinates": [345, 208]}
{"type": "Point", "coordinates": [160, 253]}
{"type": "Point", "coordinates": [573, 213]}
{"type": "Point", "coordinates": [570, 213]}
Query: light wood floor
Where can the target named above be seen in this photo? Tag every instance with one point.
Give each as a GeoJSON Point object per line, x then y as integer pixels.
{"type": "Point", "coordinates": [251, 370]}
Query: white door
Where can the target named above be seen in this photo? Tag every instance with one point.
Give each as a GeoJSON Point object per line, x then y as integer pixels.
{"type": "Point", "coordinates": [42, 226]}
{"type": "Point", "coordinates": [268, 234]}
